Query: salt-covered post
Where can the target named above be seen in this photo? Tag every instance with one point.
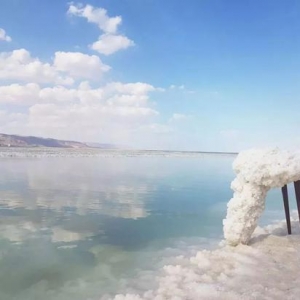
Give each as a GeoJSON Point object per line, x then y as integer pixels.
{"type": "Point", "coordinates": [257, 171]}
{"type": "Point", "coordinates": [286, 208]}
{"type": "Point", "coordinates": [297, 192]}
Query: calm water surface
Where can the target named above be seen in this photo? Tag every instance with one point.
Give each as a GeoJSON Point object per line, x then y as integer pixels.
{"type": "Point", "coordinates": [87, 228]}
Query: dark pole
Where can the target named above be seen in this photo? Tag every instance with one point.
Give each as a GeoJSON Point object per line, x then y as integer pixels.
{"type": "Point", "coordinates": [297, 192]}
{"type": "Point", "coordinates": [286, 208]}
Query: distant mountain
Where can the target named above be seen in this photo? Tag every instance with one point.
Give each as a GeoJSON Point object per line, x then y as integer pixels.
{"type": "Point", "coordinates": [8, 140]}
{"type": "Point", "coordinates": [102, 146]}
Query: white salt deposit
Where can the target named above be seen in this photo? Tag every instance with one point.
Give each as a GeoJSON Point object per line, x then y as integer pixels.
{"type": "Point", "coordinates": [94, 152]}
{"type": "Point", "coordinates": [267, 268]}
{"type": "Point", "coordinates": [257, 172]}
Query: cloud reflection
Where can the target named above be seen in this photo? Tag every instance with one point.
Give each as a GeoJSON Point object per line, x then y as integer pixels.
{"type": "Point", "coordinates": [98, 186]}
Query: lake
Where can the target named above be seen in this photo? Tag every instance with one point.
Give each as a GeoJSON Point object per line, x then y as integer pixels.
{"type": "Point", "coordinates": [91, 227]}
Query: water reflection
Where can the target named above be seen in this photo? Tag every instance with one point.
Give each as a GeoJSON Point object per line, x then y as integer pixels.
{"type": "Point", "coordinates": [60, 185]}
{"type": "Point", "coordinates": [69, 220]}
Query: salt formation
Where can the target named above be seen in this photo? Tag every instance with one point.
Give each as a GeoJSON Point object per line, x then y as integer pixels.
{"type": "Point", "coordinates": [267, 269]}
{"type": "Point", "coordinates": [257, 172]}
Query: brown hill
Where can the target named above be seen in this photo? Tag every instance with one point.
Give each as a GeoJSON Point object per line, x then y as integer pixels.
{"type": "Point", "coordinates": [8, 140]}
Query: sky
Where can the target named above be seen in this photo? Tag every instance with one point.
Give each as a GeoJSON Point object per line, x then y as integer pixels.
{"type": "Point", "coordinates": [200, 75]}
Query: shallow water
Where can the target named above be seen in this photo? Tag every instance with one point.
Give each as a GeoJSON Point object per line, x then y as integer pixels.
{"type": "Point", "coordinates": [87, 227]}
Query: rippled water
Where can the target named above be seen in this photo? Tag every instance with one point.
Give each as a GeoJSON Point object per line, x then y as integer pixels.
{"type": "Point", "coordinates": [87, 228]}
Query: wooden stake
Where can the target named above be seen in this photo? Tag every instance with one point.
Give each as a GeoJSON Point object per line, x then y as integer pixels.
{"type": "Point", "coordinates": [297, 192]}
{"type": "Point", "coordinates": [286, 207]}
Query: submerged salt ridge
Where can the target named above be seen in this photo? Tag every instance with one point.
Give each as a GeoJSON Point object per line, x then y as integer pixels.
{"type": "Point", "coordinates": [257, 172]}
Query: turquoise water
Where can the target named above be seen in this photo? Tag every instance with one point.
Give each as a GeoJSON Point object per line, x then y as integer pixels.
{"type": "Point", "coordinates": [88, 228]}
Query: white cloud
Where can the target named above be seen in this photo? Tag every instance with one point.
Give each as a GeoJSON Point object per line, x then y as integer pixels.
{"type": "Point", "coordinates": [60, 98]}
{"type": "Point", "coordinates": [96, 15]}
{"type": "Point", "coordinates": [4, 36]}
{"type": "Point", "coordinates": [126, 94]}
{"type": "Point", "coordinates": [11, 122]}
{"type": "Point", "coordinates": [31, 93]}
{"type": "Point", "coordinates": [137, 88]}
{"type": "Point", "coordinates": [110, 113]}
{"type": "Point", "coordinates": [80, 65]}
{"type": "Point", "coordinates": [19, 94]}
{"type": "Point", "coordinates": [109, 43]}
{"type": "Point", "coordinates": [57, 94]}
{"type": "Point", "coordinates": [18, 65]}
{"type": "Point", "coordinates": [98, 122]}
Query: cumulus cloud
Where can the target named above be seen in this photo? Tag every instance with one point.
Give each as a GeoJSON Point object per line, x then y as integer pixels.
{"type": "Point", "coordinates": [137, 88]}
{"type": "Point", "coordinates": [11, 121]}
{"type": "Point", "coordinates": [97, 16]}
{"type": "Point", "coordinates": [80, 65]}
{"type": "Point", "coordinates": [111, 112]}
{"type": "Point", "coordinates": [19, 94]}
{"type": "Point", "coordinates": [64, 97]}
{"type": "Point", "coordinates": [126, 94]}
{"type": "Point", "coordinates": [19, 65]}
{"type": "Point", "coordinates": [110, 41]}
{"type": "Point", "coordinates": [4, 36]}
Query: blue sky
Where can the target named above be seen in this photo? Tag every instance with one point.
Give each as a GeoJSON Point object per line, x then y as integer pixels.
{"type": "Point", "coordinates": [218, 75]}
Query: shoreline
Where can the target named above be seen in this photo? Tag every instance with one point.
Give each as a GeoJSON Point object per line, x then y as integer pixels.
{"type": "Point", "coordinates": [11, 152]}
{"type": "Point", "coordinates": [267, 268]}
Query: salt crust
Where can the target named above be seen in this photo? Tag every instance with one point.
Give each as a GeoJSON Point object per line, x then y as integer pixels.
{"type": "Point", "coordinates": [257, 171]}
{"type": "Point", "coordinates": [266, 268]}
